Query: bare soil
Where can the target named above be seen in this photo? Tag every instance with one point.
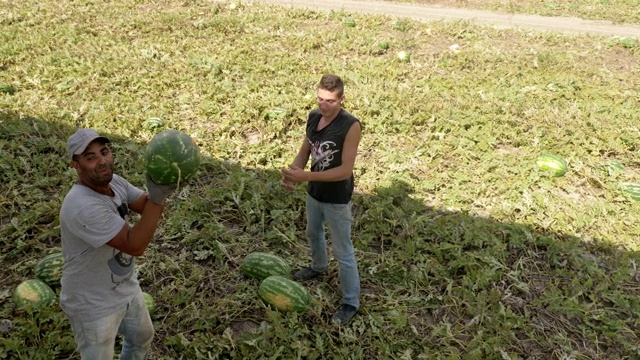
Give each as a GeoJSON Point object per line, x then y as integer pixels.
{"type": "Point", "coordinates": [438, 10]}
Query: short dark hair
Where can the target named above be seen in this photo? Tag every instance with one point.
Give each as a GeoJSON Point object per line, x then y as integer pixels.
{"type": "Point", "coordinates": [332, 83]}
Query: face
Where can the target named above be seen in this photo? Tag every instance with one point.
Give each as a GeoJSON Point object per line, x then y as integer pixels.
{"type": "Point", "coordinates": [95, 164]}
{"type": "Point", "coordinates": [329, 103]}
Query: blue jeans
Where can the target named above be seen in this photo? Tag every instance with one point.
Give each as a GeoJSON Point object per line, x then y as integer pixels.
{"type": "Point", "coordinates": [96, 339]}
{"type": "Point", "coordinates": [338, 217]}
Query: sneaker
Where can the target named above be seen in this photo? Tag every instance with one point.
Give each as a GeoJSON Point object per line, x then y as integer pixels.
{"type": "Point", "coordinates": [306, 274]}
{"type": "Point", "coordinates": [344, 314]}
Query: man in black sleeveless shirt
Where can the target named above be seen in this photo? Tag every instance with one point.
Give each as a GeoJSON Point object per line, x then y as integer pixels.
{"type": "Point", "coordinates": [332, 138]}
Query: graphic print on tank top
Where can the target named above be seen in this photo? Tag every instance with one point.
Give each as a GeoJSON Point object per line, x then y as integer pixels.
{"type": "Point", "coordinates": [322, 154]}
{"type": "Point", "coordinates": [121, 264]}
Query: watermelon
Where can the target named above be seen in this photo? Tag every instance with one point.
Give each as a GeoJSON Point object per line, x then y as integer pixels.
{"type": "Point", "coordinates": [34, 294]}
{"type": "Point", "coordinates": [554, 164]}
{"type": "Point", "coordinates": [171, 157]}
{"type": "Point", "coordinates": [261, 265]}
{"type": "Point", "coordinates": [613, 167]}
{"type": "Point", "coordinates": [276, 113]}
{"type": "Point", "coordinates": [49, 269]}
{"type": "Point", "coordinates": [404, 56]}
{"type": "Point", "coordinates": [7, 89]}
{"type": "Point", "coordinates": [149, 302]}
{"type": "Point", "coordinates": [630, 190]}
{"type": "Point", "coordinates": [283, 293]}
{"type": "Point", "coordinates": [349, 22]}
{"type": "Point", "coordinates": [153, 123]}
{"type": "Point", "coordinates": [383, 45]}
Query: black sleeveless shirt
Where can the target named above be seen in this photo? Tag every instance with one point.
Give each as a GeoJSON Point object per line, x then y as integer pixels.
{"type": "Point", "coordinates": [326, 153]}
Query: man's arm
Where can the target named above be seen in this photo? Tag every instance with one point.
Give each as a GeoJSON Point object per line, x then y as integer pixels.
{"type": "Point", "coordinates": [134, 240]}
{"type": "Point", "coordinates": [299, 162]}
{"type": "Point", "coordinates": [138, 205]}
{"type": "Point", "coordinates": [297, 174]}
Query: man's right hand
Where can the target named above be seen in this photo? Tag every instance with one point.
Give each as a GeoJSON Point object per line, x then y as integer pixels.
{"type": "Point", "coordinates": [159, 193]}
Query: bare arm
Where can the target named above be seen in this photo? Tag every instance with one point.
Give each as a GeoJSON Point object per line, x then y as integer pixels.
{"type": "Point", "coordinates": [299, 162]}
{"type": "Point", "coordinates": [138, 205]}
{"type": "Point", "coordinates": [297, 174]}
{"type": "Point", "coordinates": [134, 240]}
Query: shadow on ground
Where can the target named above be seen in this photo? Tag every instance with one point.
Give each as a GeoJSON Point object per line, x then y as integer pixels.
{"type": "Point", "coordinates": [448, 280]}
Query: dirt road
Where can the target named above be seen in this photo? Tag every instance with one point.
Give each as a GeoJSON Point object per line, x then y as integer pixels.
{"type": "Point", "coordinates": [499, 20]}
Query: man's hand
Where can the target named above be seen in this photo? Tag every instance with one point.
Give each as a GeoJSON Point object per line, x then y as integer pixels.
{"type": "Point", "coordinates": [159, 193]}
{"type": "Point", "coordinates": [293, 175]}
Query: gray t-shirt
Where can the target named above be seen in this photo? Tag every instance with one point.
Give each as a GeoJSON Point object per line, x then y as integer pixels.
{"type": "Point", "coordinates": [97, 279]}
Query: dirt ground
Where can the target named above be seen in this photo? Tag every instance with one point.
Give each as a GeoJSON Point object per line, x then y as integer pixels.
{"type": "Point", "coordinates": [437, 10]}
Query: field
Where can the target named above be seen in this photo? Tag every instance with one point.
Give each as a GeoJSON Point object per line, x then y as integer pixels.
{"type": "Point", "coordinates": [466, 249]}
{"type": "Point", "coordinates": [617, 11]}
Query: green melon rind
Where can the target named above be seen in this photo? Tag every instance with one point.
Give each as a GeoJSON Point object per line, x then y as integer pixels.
{"type": "Point", "coordinates": [284, 294]}
{"type": "Point", "coordinates": [552, 163]}
{"type": "Point", "coordinates": [171, 157]}
{"type": "Point", "coordinates": [261, 265]}
{"type": "Point", "coordinates": [49, 269]}
{"type": "Point", "coordinates": [630, 190]}
{"type": "Point", "coordinates": [33, 294]}
{"type": "Point", "coordinates": [7, 89]}
{"type": "Point", "coordinates": [349, 22]}
{"type": "Point", "coordinates": [614, 167]}
{"type": "Point", "coordinates": [149, 302]}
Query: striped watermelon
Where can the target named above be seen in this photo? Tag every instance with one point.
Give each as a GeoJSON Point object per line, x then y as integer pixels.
{"type": "Point", "coordinates": [7, 89]}
{"type": "Point", "coordinates": [614, 167]}
{"type": "Point", "coordinates": [284, 294]}
{"type": "Point", "coordinates": [149, 302]}
{"type": "Point", "coordinates": [630, 190]}
{"type": "Point", "coordinates": [34, 294]}
{"type": "Point", "coordinates": [554, 164]}
{"type": "Point", "coordinates": [49, 269]}
{"type": "Point", "coordinates": [349, 22]}
{"type": "Point", "coordinates": [261, 265]}
{"type": "Point", "coordinates": [171, 157]}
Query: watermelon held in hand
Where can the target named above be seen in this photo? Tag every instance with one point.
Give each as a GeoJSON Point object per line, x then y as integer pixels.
{"type": "Point", "coordinates": [49, 269]}
{"type": "Point", "coordinates": [149, 302]}
{"type": "Point", "coordinates": [171, 158]}
{"type": "Point", "coordinates": [554, 164]}
{"type": "Point", "coordinates": [33, 295]}
{"type": "Point", "coordinates": [284, 294]}
{"type": "Point", "coordinates": [261, 265]}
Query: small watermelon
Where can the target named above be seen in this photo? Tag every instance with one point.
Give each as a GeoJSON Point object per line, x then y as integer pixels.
{"type": "Point", "coordinates": [49, 269]}
{"type": "Point", "coordinates": [171, 157]}
{"type": "Point", "coordinates": [630, 190]}
{"type": "Point", "coordinates": [284, 294]}
{"type": "Point", "coordinates": [383, 45]}
{"type": "Point", "coordinates": [613, 167]}
{"type": "Point", "coordinates": [34, 294]}
{"type": "Point", "coordinates": [261, 265]}
{"type": "Point", "coordinates": [276, 113]}
{"type": "Point", "coordinates": [554, 164]}
{"type": "Point", "coordinates": [7, 89]}
{"type": "Point", "coordinates": [149, 302]}
{"type": "Point", "coordinates": [404, 56]}
{"type": "Point", "coordinates": [349, 22]}
{"type": "Point", "coordinates": [153, 123]}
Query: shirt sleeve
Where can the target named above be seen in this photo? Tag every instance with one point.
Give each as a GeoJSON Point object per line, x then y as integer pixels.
{"type": "Point", "coordinates": [96, 224]}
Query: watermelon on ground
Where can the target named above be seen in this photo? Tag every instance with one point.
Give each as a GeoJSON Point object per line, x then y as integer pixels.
{"type": "Point", "coordinates": [49, 269]}
{"type": "Point", "coordinates": [261, 265]}
{"type": "Point", "coordinates": [171, 157]}
{"type": "Point", "coordinates": [7, 89]}
{"type": "Point", "coordinates": [34, 294]}
{"type": "Point", "coordinates": [551, 163]}
{"type": "Point", "coordinates": [630, 190]}
{"type": "Point", "coordinates": [284, 294]}
{"type": "Point", "coordinates": [149, 302]}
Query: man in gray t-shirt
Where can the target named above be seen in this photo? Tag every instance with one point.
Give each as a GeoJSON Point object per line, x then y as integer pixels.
{"type": "Point", "coordinates": [100, 293]}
